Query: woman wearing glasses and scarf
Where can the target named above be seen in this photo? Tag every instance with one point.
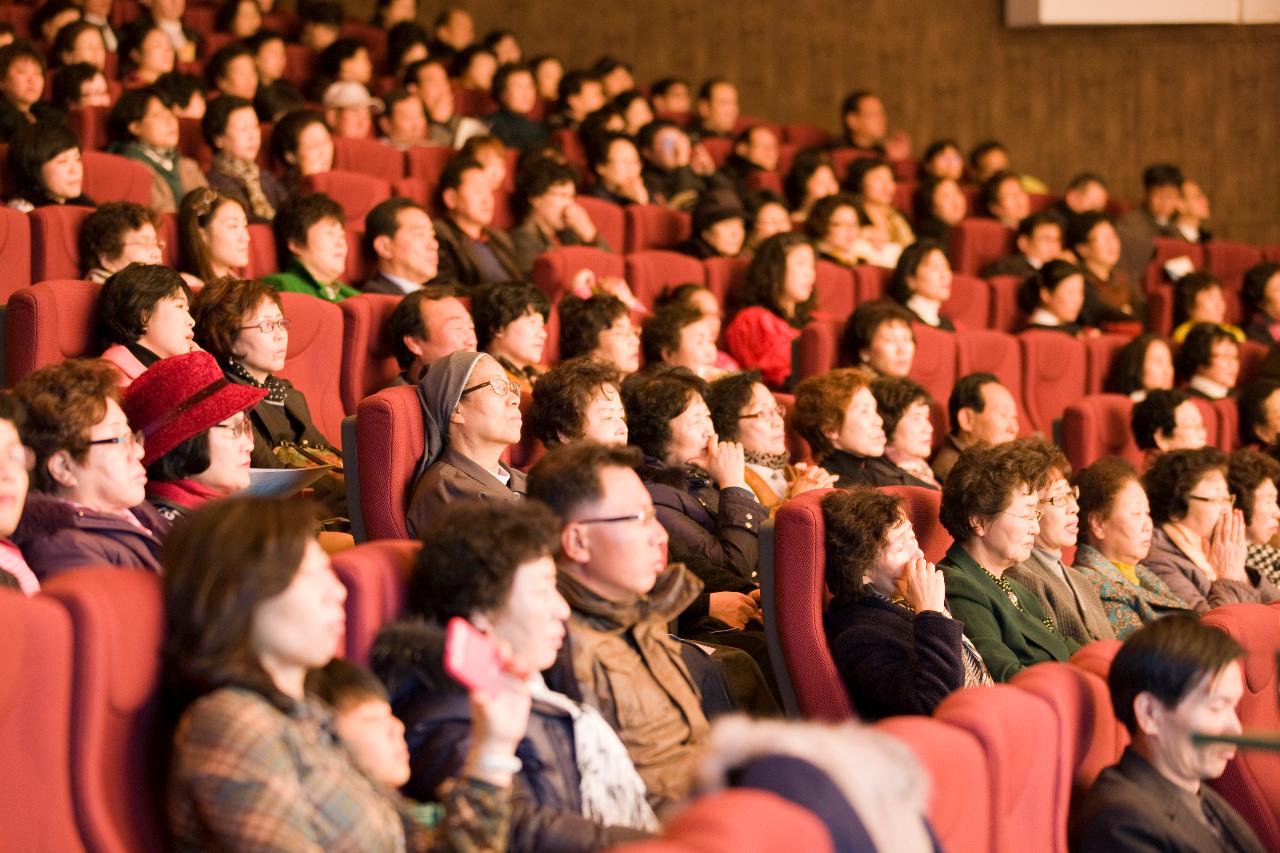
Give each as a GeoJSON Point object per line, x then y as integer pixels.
{"type": "Point", "coordinates": [1200, 540]}
{"type": "Point", "coordinates": [471, 415]}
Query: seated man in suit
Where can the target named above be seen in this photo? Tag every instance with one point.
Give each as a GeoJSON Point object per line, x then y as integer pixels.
{"type": "Point", "coordinates": [980, 409]}
{"type": "Point", "coordinates": [471, 252]}
{"type": "Point", "coordinates": [471, 415]}
{"type": "Point", "coordinates": [1039, 241]}
{"type": "Point", "coordinates": [1172, 679]}
{"type": "Point", "coordinates": [399, 234]}
{"type": "Point", "coordinates": [428, 324]}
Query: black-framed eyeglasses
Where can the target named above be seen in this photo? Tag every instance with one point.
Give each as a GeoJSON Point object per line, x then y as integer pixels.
{"type": "Point", "coordinates": [1229, 500]}
{"type": "Point", "coordinates": [646, 517]}
{"type": "Point", "coordinates": [129, 439]}
{"type": "Point", "coordinates": [500, 387]}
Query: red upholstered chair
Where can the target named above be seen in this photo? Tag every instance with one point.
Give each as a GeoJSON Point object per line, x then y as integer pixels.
{"type": "Point", "coordinates": [414, 189]}
{"type": "Point", "coordinates": [55, 235]}
{"type": "Point", "coordinates": [989, 351]}
{"type": "Point", "coordinates": [108, 177]}
{"type": "Point", "coordinates": [842, 158]}
{"type": "Point", "coordinates": [376, 575]}
{"type": "Point", "coordinates": [1228, 418]}
{"type": "Point", "coordinates": [804, 135]}
{"type": "Point", "coordinates": [835, 289]}
{"type": "Point", "coordinates": [1025, 748]}
{"type": "Point", "coordinates": [609, 219]}
{"type": "Point", "coordinates": [1229, 261]}
{"type": "Point", "coordinates": [1006, 316]}
{"type": "Point", "coordinates": [191, 144]}
{"type": "Point", "coordinates": [367, 364]}
{"type": "Point", "coordinates": [1053, 374]}
{"type": "Point", "coordinates": [1160, 308]}
{"type": "Point", "coordinates": [35, 721]}
{"type": "Point", "coordinates": [314, 361]}
{"type": "Point", "coordinates": [117, 740]}
{"type": "Point", "coordinates": [1082, 702]}
{"type": "Point", "coordinates": [902, 193]}
{"type": "Point", "coordinates": [870, 282]}
{"type": "Point", "coordinates": [725, 274]}
{"type": "Point", "coordinates": [922, 507]}
{"type": "Point", "coordinates": [652, 226]}
{"type": "Point", "coordinates": [358, 267]}
{"type": "Point", "coordinates": [553, 271]}
{"type": "Point", "coordinates": [960, 798]}
{"type": "Point", "coordinates": [356, 193]}
{"type": "Point", "coordinates": [15, 252]}
{"type": "Point", "coordinates": [799, 555]}
{"type": "Point", "coordinates": [796, 446]}
{"type": "Point", "coordinates": [976, 243]}
{"type": "Point", "coordinates": [1252, 355]}
{"type": "Point", "coordinates": [969, 305]}
{"type": "Point", "coordinates": [428, 162]}
{"type": "Point", "coordinates": [474, 102]}
{"type": "Point", "coordinates": [719, 148]}
{"type": "Point", "coordinates": [262, 251]}
{"type": "Point", "coordinates": [1166, 249]}
{"type": "Point", "coordinates": [374, 38]}
{"type": "Point", "coordinates": [1099, 352]}
{"type": "Point", "coordinates": [47, 323]}
{"type": "Point", "coordinates": [1097, 425]}
{"type": "Point", "coordinates": [391, 440]}
{"type": "Point", "coordinates": [651, 272]}
{"type": "Point", "coordinates": [1210, 417]}
{"type": "Point", "coordinates": [934, 365]}
{"type": "Point", "coordinates": [575, 152]}
{"type": "Point", "coordinates": [300, 66]}
{"type": "Point", "coordinates": [90, 124]}
{"type": "Point", "coordinates": [1096, 657]}
{"type": "Point", "coordinates": [818, 349]}
{"type": "Point", "coordinates": [1251, 782]}
{"type": "Point", "coordinates": [368, 157]}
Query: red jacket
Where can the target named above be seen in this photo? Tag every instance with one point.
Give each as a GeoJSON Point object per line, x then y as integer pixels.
{"type": "Point", "coordinates": [761, 340]}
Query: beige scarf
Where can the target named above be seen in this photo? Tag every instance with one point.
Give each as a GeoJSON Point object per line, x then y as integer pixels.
{"type": "Point", "coordinates": [248, 174]}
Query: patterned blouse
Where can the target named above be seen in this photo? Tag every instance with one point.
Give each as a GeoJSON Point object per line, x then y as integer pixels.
{"type": "Point", "coordinates": [1129, 606]}
{"type": "Point", "coordinates": [247, 776]}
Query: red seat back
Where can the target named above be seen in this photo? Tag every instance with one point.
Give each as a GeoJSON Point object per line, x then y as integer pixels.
{"type": "Point", "coordinates": [969, 305]}
{"type": "Point", "coordinates": [934, 365]}
{"type": "Point", "coordinates": [723, 275]}
{"type": "Point", "coordinates": [842, 158]}
{"type": "Point", "coordinates": [652, 226]}
{"type": "Point", "coordinates": [1230, 260]}
{"type": "Point", "coordinates": [836, 293]}
{"type": "Point", "coordinates": [376, 575]}
{"type": "Point", "coordinates": [553, 271]}
{"type": "Point", "coordinates": [1210, 417]}
{"type": "Point", "coordinates": [108, 177]}
{"type": "Point", "coordinates": [117, 742]}
{"type": "Point", "coordinates": [356, 193]}
{"type": "Point", "coordinates": [90, 124]}
{"type": "Point", "coordinates": [977, 242]}
{"type": "Point", "coordinates": [263, 259]}
{"type": "Point", "coordinates": [1228, 418]}
{"type": "Point", "coordinates": [805, 136]}
{"type": "Point", "coordinates": [35, 720]}
{"type": "Point", "coordinates": [300, 66]}
{"type": "Point", "coordinates": [55, 241]}
{"type": "Point", "coordinates": [1099, 352]}
{"type": "Point", "coordinates": [314, 361]}
{"type": "Point", "coordinates": [922, 507]}
{"type": "Point", "coordinates": [428, 162]}
{"type": "Point", "coordinates": [390, 435]}
{"type": "Point", "coordinates": [1096, 657]}
{"type": "Point", "coordinates": [1160, 308]}
{"type": "Point", "coordinates": [1166, 249]}
{"type": "Point", "coordinates": [818, 348]}
{"type": "Point", "coordinates": [368, 157]}
{"type": "Point", "coordinates": [15, 252]}
{"type": "Point", "coordinates": [1053, 374]}
{"type": "Point", "coordinates": [1097, 425]}
{"type": "Point", "coordinates": [609, 218]}
{"type": "Point", "coordinates": [799, 559]}
{"type": "Point", "coordinates": [367, 363]}
{"type": "Point", "coordinates": [989, 351]}
{"type": "Point", "coordinates": [191, 144]}
{"type": "Point", "coordinates": [870, 282]}
{"type": "Point", "coordinates": [47, 323]}
{"type": "Point", "coordinates": [1252, 355]}
{"type": "Point", "coordinates": [649, 273]}
{"type": "Point", "coordinates": [1006, 315]}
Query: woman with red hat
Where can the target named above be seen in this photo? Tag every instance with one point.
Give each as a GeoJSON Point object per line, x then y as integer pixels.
{"type": "Point", "coordinates": [198, 438]}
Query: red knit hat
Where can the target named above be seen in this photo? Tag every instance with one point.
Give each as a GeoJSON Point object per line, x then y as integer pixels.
{"type": "Point", "coordinates": [180, 397]}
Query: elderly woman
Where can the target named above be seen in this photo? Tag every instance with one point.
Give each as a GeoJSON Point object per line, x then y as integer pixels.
{"type": "Point", "coordinates": [904, 407]}
{"type": "Point", "coordinates": [1199, 546]}
{"type": "Point", "coordinates": [1143, 365]}
{"type": "Point", "coordinates": [579, 399]}
{"type": "Point", "coordinates": [683, 336]}
{"type": "Point", "coordinates": [1064, 593]}
{"type": "Point", "coordinates": [1252, 477]}
{"type": "Point", "coordinates": [894, 641]}
{"type": "Point", "coordinates": [88, 501]}
{"type": "Point", "coordinates": [1208, 362]}
{"type": "Point", "coordinates": [990, 506]}
{"type": "Point", "coordinates": [143, 128]}
{"type": "Point", "coordinates": [922, 283]}
{"type": "Point", "coordinates": [599, 326]}
{"type": "Point", "coordinates": [231, 128]}
{"type": "Point", "coordinates": [44, 160]}
{"type": "Point", "coordinates": [255, 763]}
{"type": "Point", "coordinates": [879, 336]}
{"type": "Point", "coordinates": [213, 235]}
{"type": "Point", "coordinates": [511, 320]}
{"type": "Point", "coordinates": [743, 409]}
{"type": "Point", "coordinates": [774, 303]}
{"type": "Point", "coordinates": [198, 437]}
{"type": "Point", "coordinates": [117, 234]}
{"type": "Point", "coordinates": [1164, 421]}
{"type": "Point", "coordinates": [1114, 540]}
{"type": "Point", "coordinates": [493, 565]}
{"type": "Point", "coordinates": [144, 313]}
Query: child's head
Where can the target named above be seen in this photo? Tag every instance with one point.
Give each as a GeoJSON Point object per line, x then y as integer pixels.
{"type": "Point", "coordinates": [362, 715]}
{"type": "Point", "coordinates": [1200, 298]}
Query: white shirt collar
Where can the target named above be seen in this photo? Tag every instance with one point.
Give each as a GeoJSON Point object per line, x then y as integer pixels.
{"type": "Point", "coordinates": [1044, 317]}
{"type": "Point", "coordinates": [928, 310]}
{"type": "Point", "coordinates": [408, 285]}
{"type": "Point", "coordinates": [1209, 388]}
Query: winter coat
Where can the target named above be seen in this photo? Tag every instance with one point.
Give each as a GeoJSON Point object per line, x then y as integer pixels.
{"type": "Point", "coordinates": [1193, 586]}
{"type": "Point", "coordinates": [55, 535]}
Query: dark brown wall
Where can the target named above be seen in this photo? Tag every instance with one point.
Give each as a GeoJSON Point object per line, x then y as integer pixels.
{"type": "Point", "coordinates": [1108, 99]}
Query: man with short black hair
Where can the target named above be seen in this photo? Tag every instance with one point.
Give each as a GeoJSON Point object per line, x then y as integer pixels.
{"type": "Point", "coordinates": [581, 93]}
{"type": "Point", "coordinates": [471, 251]}
{"type": "Point", "coordinates": [428, 324]}
{"type": "Point", "coordinates": [546, 201]}
{"type": "Point", "coordinates": [429, 80]}
{"type": "Point", "coordinates": [717, 108]}
{"type": "Point", "coordinates": [517, 94]}
{"type": "Point", "coordinates": [980, 409]}
{"type": "Point", "coordinates": [1173, 679]}
{"type": "Point", "coordinates": [1155, 217]}
{"type": "Point", "coordinates": [21, 89]}
{"type": "Point", "coordinates": [399, 235]}
{"type": "Point", "coordinates": [1039, 241]}
{"type": "Point", "coordinates": [1259, 407]}
{"type": "Point", "coordinates": [403, 123]}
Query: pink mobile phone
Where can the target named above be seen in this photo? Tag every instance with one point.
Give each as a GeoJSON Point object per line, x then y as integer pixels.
{"type": "Point", "coordinates": [471, 657]}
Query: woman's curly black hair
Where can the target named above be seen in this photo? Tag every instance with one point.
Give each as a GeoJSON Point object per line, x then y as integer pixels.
{"type": "Point", "coordinates": [653, 398]}
{"type": "Point", "coordinates": [1174, 475]}
{"type": "Point", "coordinates": [727, 397]}
{"type": "Point", "coordinates": [857, 523]}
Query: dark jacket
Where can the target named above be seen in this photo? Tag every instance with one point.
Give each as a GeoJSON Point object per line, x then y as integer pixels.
{"type": "Point", "coordinates": [1012, 265]}
{"type": "Point", "coordinates": [678, 188]}
{"type": "Point", "coordinates": [274, 425]}
{"type": "Point", "coordinates": [458, 264]}
{"type": "Point", "coordinates": [12, 120]}
{"type": "Point", "coordinates": [1133, 808]}
{"type": "Point", "coordinates": [894, 661]}
{"type": "Point", "coordinates": [272, 187]}
{"type": "Point", "coordinates": [1065, 594]}
{"type": "Point", "coordinates": [1259, 329]}
{"type": "Point", "coordinates": [517, 131]}
{"type": "Point", "coordinates": [454, 477]}
{"type": "Point", "coordinates": [530, 241]}
{"type": "Point", "coordinates": [854, 470]}
{"type": "Point", "coordinates": [55, 535]}
{"type": "Point", "coordinates": [546, 806]}
{"type": "Point", "coordinates": [379, 283]}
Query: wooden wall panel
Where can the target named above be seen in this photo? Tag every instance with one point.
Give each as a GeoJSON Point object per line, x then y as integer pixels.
{"type": "Point", "coordinates": [1063, 99]}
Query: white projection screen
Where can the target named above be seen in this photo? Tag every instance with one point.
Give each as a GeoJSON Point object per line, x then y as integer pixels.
{"type": "Point", "coordinates": [1106, 13]}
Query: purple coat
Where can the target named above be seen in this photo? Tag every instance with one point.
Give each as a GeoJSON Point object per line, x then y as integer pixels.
{"type": "Point", "coordinates": [56, 536]}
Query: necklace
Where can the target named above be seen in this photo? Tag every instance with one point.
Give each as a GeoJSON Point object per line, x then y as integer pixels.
{"type": "Point", "coordinates": [1004, 584]}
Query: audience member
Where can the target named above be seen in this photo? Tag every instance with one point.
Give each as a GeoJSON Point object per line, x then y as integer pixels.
{"type": "Point", "coordinates": [717, 110]}
{"type": "Point", "coordinates": [1039, 241]}
{"type": "Point", "coordinates": [1086, 192]}
{"type": "Point", "coordinates": [615, 163]}
{"type": "Point", "coordinates": [510, 321]}
{"type": "Point", "coordinates": [833, 224]}
{"type": "Point", "coordinates": [471, 251]}
{"type": "Point", "coordinates": [547, 72]}
{"type": "Point", "coordinates": [311, 241]}
{"type": "Point", "coordinates": [16, 464]}
{"type": "Point", "coordinates": [427, 325]}
{"type": "Point", "coordinates": [904, 407]}
{"type": "Point", "coordinates": [943, 158]}
{"type": "Point", "coordinates": [400, 237]}
{"type": "Point", "coordinates": [429, 80]}
{"type": "Point", "coordinates": [240, 18]}
{"type": "Point", "coordinates": [454, 28]}
{"type": "Point", "coordinates": [80, 41]}
{"type": "Point", "coordinates": [675, 171]}
{"type": "Point", "coordinates": [88, 503]}
{"type": "Point", "coordinates": [702, 298]}
{"type": "Point", "coordinates": [755, 150]}
{"type": "Point", "coordinates": [22, 70]}
{"type": "Point", "coordinates": [672, 95]}
{"type": "Point", "coordinates": [115, 235]}
{"type": "Point", "coordinates": [616, 76]}
{"type": "Point", "coordinates": [897, 647]}
{"type": "Point", "coordinates": [403, 123]}
{"type": "Point", "coordinates": [51, 18]}
{"type": "Point", "coordinates": [599, 326]}
{"type": "Point", "coordinates": [719, 226]}
{"type": "Point", "coordinates": [1198, 298]}
{"type": "Point", "coordinates": [349, 109]}
{"type": "Point", "coordinates": [578, 95]}
{"type": "Point", "coordinates": [166, 15]}
{"type": "Point", "coordinates": [198, 436]}
{"type": "Point", "coordinates": [301, 146]}
{"type": "Point", "coordinates": [767, 214]}
{"type": "Point", "coordinates": [682, 336]}
{"type": "Point", "coordinates": [213, 234]}
{"type": "Point", "coordinates": [636, 111]}
{"type": "Point", "coordinates": [774, 303]}
{"type": "Point", "coordinates": [579, 399]}
{"type": "Point", "coordinates": [1193, 213]}
{"type": "Point", "coordinates": [491, 154]}
{"type": "Point", "coordinates": [1253, 477]}
{"type": "Point", "coordinates": [987, 159]}
{"type": "Point", "coordinates": [1053, 297]}
{"type": "Point", "coordinates": [811, 178]}
{"type": "Point", "coordinates": [1110, 296]}
{"type": "Point", "coordinates": [1155, 217]}
{"type": "Point", "coordinates": [922, 283]}
{"type": "Point", "coordinates": [939, 205]}
{"type": "Point", "coordinates": [990, 506]}
{"type": "Point", "coordinates": [321, 24]}
{"type": "Point", "coordinates": [1165, 421]}
{"type": "Point", "coordinates": [980, 408]}
{"type": "Point", "coordinates": [871, 182]}
{"type": "Point", "coordinates": [866, 127]}
{"type": "Point", "coordinates": [80, 85]}
{"type": "Point", "coordinates": [232, 71]}
{"type": "Point", "coordinates": [144, 315]}
{"type": "Point", "coordinates": [550, 216]}
{"type": "Point", "coordinates": [1143, 365]}
{"type": "Point", "coordinates": [95, 12]}
{"type": "Point", "coordinates": [516, 93]}
{"type": "Point", "coordinates": [1168, 679]}
{"type": "Point", "coordinates": [46, 167]}
{"type": "Point", "coordinates": [471, 415]}
{"type": "Point", "coordinates": [146, 55]}
{"type": "Point", "coordinates": [230, 127]}
{"type": "Point", "coordinates": [505, 46]}
{"type": "Point", "coordinates": [1258, 408]}
{"type": "Point", "coordinates": [474, 68]}
{"type": "Point", "coordinates": [1260, 296]}
{"type": "Point", "coordinates": [143, 128]}
{"type": "Point", "coordinates": [1208, 362]}
{"type": "Point", "coordinates": [1004, 199]}
{"type": "Point", "coordinates": [879, 336]}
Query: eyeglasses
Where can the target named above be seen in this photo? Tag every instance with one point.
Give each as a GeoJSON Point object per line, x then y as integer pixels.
{"type": "Point", "coordinates": [624, 333]}
{"type": "Point", "coordinates": [774, 412]}
{"type": "Point", "coordinates": [20, 456]}
{"type": "Point", "coordinates": [1062, 499]}
{"type": "Point", "coordinates": [500, 387]}
{"type": "Point", "coordinates": [1036, 515]}
{"type": "Point", "coordinates": [647, 516]}
{"type": "Point", "coordinates": [1229, 500]}
{"type": "Point", "coordinates": [267, 327]}
{"type": "Point", "coordinates": [130, 440]}
{"type": "Point", "coordinates": [239, 429]}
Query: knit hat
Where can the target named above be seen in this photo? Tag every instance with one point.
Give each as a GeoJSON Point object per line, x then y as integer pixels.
{"type": "Point", "coordinates": [717, 206]}
{"type": "Point", "coordinates": [439, 391]}
{"type": "Point", "coordinates": [350, 95]}
{"type": "Point", "coordinates": [180, 397]}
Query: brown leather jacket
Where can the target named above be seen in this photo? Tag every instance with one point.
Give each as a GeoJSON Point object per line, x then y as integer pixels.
{"type": "Point", "coordinates": [629, 667]}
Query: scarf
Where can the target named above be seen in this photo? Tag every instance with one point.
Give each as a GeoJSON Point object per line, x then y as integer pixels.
{"type": "Point", "coordinates": [916, 467]}
{"type": "Point", "coordinates": [247, 173]}
{"type": "Point", "coordinates": [612, 792]}
{"type": "Point", "coordinates": [277, 390]}
{"type": "Point", "coordinates": [439, 392]}
{"type": "Point", "coordinates": [164, 162]}
{"type": "Point", "coordinates": [774, 461]}
{"type": "Point", "coordinates": [187, 494]}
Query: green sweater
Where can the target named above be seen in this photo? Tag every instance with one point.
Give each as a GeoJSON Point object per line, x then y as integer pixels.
{"type": "Point", "coordinates": [296, 278]}
{"type": "Point", "coordinates": [1007, 638]}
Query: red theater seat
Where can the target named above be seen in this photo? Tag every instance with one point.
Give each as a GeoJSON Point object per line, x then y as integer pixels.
{"type": "Point", "coordinates": [262, 251]}
{"type": "Point", "coordinates": [1166, 249]}
{"type": "Point", "coordinates": [15, 252]}
{"type": "Point", "coordinates": [1229, 261]}
{"type": "Point", "coordinates": [799, 557]}
{"type": "Point", "coordinates": [969, 305]}
{"type": "Point", "coordinates": [1228, 418]}
{"type": "Point", "coordinates": [818, 348]}
{"type": "Point", "coordinates": [368, 157]}
{"type": "Point", "coordinates": [390, 435]}
{"type": "Point", "coordinates": [428, 162]}
{"type": "Point", "coordinates": [1096, 426]}
{"type": "Point", "coordinates": [367, 364]}
{"type": "Point", "coordinates": [1210, 417]}
{"type": "Point", "coordinates": [652, 226]}
{"type": "Point", "coordinates": [553, 271]}
{"type": "Point", "coordinates": [922, 506]}
{"type": "Point", "coordinates": [870, 282]}
{"type": "Point", "coordinates": [805, 136]}
{"type": "Point", "coordinates": [314, 361]}
{"type": "Point", "coordinates": [90, 124]}
{"type": "Point", "coordinates": [117, 736]}
{"type": "Point", "coordinates": [55, 241]}
{"type": "Point", "coordinates": [47, 323]}
{"type": "Point", "coordinates": [842, 158]}
{"type": "Point", "coordinates": [35, 721]}
{"type": "Point", "coordinates": [111, 178]}
{"type": "Point", "coordinates": [609, 218]}
{"type": "Point", "coordinates": [724, 275]}
{"type": "Point", "coordinates": [1099, 352]}
{"type": "Point", "coordinates": [934, 365]}
{"type": "Point", "coordinates": [836, 291]}
{"type": "Point", "coordinates": [191, 144]}
{"type": "Point", "coordinates": [376, 575]}
{"type": "Point", "coordinates": [300, 66]}
{"type": "Point", "coordinates": [356, 193]}
{"type": "Point", "coordinates": [1053, 374]}
{"type": "Point", "coordinates": [1006, 316]}
{"type": "Point", "coordinates": [1096, 657]}
{"type": "Point", "coordinates": [649, 273]}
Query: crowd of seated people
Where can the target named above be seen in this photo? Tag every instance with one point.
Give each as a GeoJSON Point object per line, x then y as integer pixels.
{"type": "Point", "coordinates": [617, 568]}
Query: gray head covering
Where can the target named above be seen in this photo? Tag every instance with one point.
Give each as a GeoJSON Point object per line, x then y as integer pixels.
{"type": "Point", "coordinates": [439, 391]}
